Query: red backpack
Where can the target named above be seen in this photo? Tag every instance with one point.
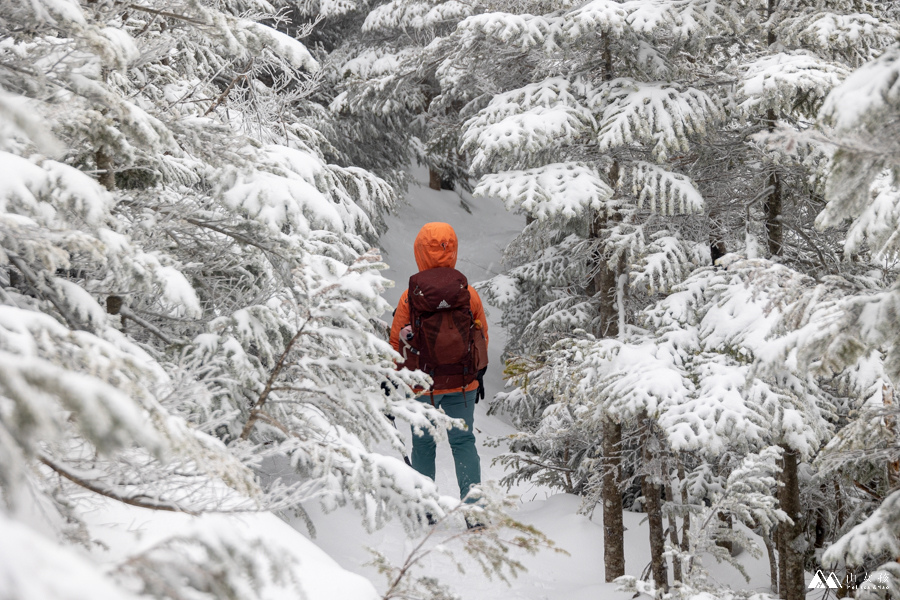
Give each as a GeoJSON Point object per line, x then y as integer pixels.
{"type": "Point", "coordinates": [450, 347]}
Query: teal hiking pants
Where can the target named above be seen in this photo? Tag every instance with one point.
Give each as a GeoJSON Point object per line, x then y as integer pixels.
{"type": "Point", "coordinates": [459, 405]}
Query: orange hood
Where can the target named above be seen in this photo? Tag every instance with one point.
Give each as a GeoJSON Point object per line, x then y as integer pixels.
{"type": "Point", "coordinates": [435, 246]}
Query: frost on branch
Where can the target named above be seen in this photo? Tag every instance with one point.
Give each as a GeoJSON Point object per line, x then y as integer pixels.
{"type": "Point", "coordinates": [525, 123]}
{"type": "Point", "coordinates": [667, 261]}
{"type": "Point", "coordinates": [520, 31]}
{"type": "Point", "coordinates": [657, 114]}
{"type": "Point", "coordinates": [877, 224]}
{"type": "Point", "coordinates": [877, 537]}
{"type": "Point", "coordinates": [666, 193]}
{"type": "Point", "coordinates": [563, 189]}
{"type": "Point", "coordinates": [862, 113]}
{"type": "Point", "coordinates": [606, 16]}
{"type": "Point", "coordinates": [866, 95]}
{"type": "Point", "coordinates": [416, 14]}
{"type": "Point", "coordinates": [858, 37]}
{"type": "Point", "coordinates": [786, 81]}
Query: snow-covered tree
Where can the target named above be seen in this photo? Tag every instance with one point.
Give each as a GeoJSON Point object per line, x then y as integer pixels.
{"type": "Point", "coordinates": [610, 142]}
{"type": "Point", "coordinates": [851, 332]}
{"type": "Point", "coordinates": [791, 54]}
{"type": "Point", "coordinates": [385, 89]}
{"type": "Point", "coordinates": [585, 137]}
{"type": "Point", "coordinates": [206, 305]}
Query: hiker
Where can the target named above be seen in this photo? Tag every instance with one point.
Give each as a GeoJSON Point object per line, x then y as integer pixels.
{"type": "Point", "coordinates": [440, 327]}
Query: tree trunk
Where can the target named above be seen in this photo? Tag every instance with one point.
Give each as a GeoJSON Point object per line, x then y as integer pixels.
{"type": "Point", "coordinates": [773, 562]}
{"type": "Point", "coordinates": [686, 522]}
{"type": "Point", "coordinates": [652, 492]}
{"type": "Point", "coordinates": [727, 544]}
{"type": "Point", "coordinates": [606, 279]}
{"type": "Point", "coordinates": [780, 535]}
{"type": "Point", "coordinates": [772, 209]}
{"type": "Point", "coordinates": [677, 575]}
{"type": "Point", "coordinates": [434, 179]}
{"type": "Point", "coordinates": [613, 523]}
{"type": "Point", "coordinates": [792, 584]}
{"type": "Point", "coordinates": [106, 170]}
{"type": "Point", "coordinates": [772, 206]}
{"type": "Point", "coordinates": [821, 521]}
{"type": "Point", "coordinates": [604, 285]}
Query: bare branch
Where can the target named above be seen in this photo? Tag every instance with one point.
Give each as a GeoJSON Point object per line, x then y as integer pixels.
{"type": "Point", "coordinates": [139, 500]}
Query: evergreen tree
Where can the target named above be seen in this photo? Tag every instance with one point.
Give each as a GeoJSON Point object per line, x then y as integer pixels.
{"type": "Point", "coordinates": [626, 108]}
{"type": "Point", "coordinates": [856, 325]}
{"type": "Point", "coordinates": [216, 280]}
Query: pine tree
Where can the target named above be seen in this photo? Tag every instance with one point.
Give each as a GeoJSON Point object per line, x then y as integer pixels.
{"type": "Point", "coordinates": [584, 144]}
{"type": "Point", "coordinates": [856, 325]}
{"type": "Point", "coordinates": [633, 116]}
{"type": "Point", "coordinates": [216, 280]}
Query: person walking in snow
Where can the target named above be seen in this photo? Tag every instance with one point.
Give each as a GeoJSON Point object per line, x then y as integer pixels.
{"type": "Point", "coordinates": [440, 328]}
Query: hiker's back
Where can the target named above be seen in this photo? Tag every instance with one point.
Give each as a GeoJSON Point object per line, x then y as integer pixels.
{"type": "Point", "coordinates": [451, 347]}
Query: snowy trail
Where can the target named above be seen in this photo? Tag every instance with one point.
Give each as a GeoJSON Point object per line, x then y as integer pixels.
{"type": "Point", "coordinates": [483, 233]}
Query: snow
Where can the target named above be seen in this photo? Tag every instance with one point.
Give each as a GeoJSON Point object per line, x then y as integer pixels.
{"type": "Point", "coordinates": [415, 15]}
{"type": "Point", "coordinates": [782, 80]}
{"type": "Point", "coordinates": [374, 63]}
{"type": "Point", "coordinates": [58, 11]}
{"type": "Point", "coordinates": [80, 302]}
{"type": "Point", "coordinates": [178, 292]}
{"type": "Point", "coordinates": [25, 184]}
{"type": "Point", "coordinates": [283, 45]}
{"type": "Point", "coordinates": [18, 119]}
{"type": "Point", "coordinates": [657, 114]}
{"type": "Point", "coordinates": [32, 566]}
{"type": "Point", "coordinates": [607, 16]}
{"type": "Point", "coordinates": [866, 94]}
{"type": "Point", "coordinates": [578, 575]}
{"type": "Point", "coordinates": [567, 189]}
{"type": "Point", "coordinates": [125, 531]}
{"type": "Point", "coordinates": [334, 564]}
{"type": "Point", "coordinates": [530, 119]}
{"type": "Point", "coordinates": [665, 192]}
{"type": "Point", "coordinates": [120, 46]}
{"type": "Point", "coordinates": [285, 198]}
{"type": "Point", "coordinates": [860, 35]}
{"type": "Point", "coordinates": [531, 131]}
{"type": "Point", "coordinates": [525, 31]}
{"type": "Point", "coordinates": [877, 224]}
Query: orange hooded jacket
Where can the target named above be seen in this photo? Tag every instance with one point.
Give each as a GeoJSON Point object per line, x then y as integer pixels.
{"type": "Point", "coordinates": [436, 246]}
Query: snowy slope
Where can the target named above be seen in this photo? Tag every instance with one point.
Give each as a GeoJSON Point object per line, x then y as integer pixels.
{"type": "Point", "coordinates": [483, 234]}
{"type": "Point", "coordinates": [287, 564]}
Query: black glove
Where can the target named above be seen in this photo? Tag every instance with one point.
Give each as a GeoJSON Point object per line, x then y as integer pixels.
{"type": "Point", "coordinates": [479, 393]}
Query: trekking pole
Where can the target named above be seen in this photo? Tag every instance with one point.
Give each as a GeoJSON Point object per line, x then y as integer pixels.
{"type": "Point", "coordinates": [387, 392]}
{"type": "Point", "coordinates": [393, 420]}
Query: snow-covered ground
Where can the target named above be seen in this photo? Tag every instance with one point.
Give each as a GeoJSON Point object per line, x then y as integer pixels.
{"type": "Point", "coordinates": [483, 233]}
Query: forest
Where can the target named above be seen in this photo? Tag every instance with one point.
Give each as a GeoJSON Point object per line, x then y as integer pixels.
{"type": "Point", "coordinates": [701, 309]}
